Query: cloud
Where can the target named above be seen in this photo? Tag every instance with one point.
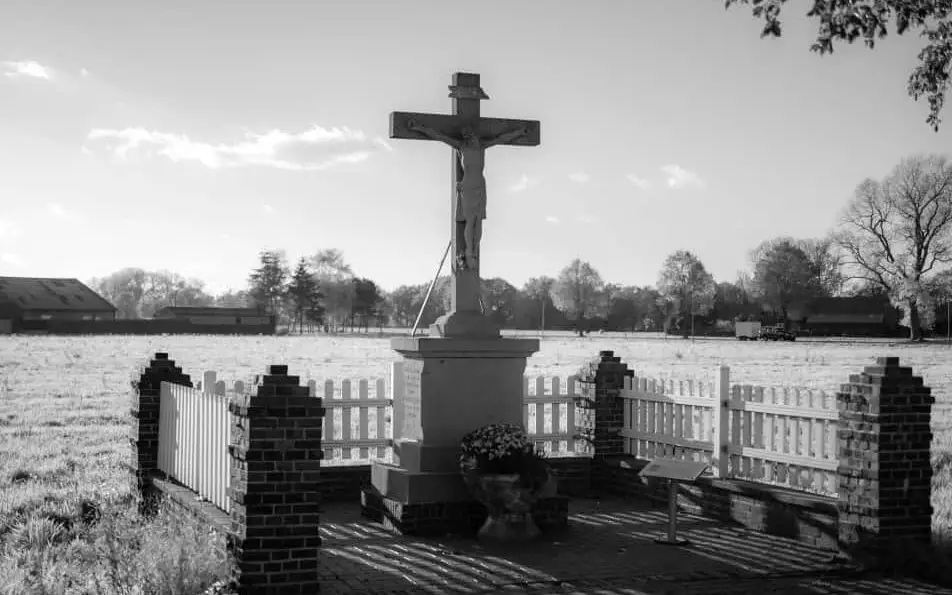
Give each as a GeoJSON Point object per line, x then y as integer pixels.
{"type": "Point", "coordinates": [552, 219]}
{"type": "Point", "coordinates": [83, 72]}
{"type": "Point", "coordinates": [26, 68]}
{"type": "Point", "coordinates": [12, 260]}
{"type": "Point", "coordinates": [268, 209]}
{"type": "Point", "coordinates": [57, 210]}
{"type": "Point", "coordinates": [523, 183]}
{"type": "Point", "coordinates": [314, 149]}
{"type": "Point", "coordinates": [640, 183]}
{"type": "Point", "coordinates": [8, 231]}
{"type": "Point", "coordinates": [579, 177]}
{"type": "Point", "coordinates": [678, 177]}
{"type": "Point", "coordinates": [587, 218]}
{"type": "Point", "coordinates": [60, 212]}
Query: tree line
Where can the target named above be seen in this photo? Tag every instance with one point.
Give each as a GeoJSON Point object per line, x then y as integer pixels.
{"type": "Point", "coordinates": [894, 239]}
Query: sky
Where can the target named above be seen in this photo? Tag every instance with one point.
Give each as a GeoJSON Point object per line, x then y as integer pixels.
{"type": "Point", "coordinates": [189, 136]}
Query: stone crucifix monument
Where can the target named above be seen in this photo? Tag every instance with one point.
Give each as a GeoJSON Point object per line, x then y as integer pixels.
{"type": "Point", "coordinates": [469, 135]}
{"type": "Point", "coordinates": [464, 375]}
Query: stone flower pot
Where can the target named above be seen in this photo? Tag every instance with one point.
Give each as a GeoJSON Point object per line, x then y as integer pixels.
{"type": "Point", "coordinates": [509, 505]}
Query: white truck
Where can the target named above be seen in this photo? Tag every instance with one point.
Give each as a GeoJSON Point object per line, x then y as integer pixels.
{"type": "Point", "coordinates": [747, 330]}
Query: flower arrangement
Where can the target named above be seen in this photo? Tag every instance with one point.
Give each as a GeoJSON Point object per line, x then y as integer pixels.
{"type": "Point", "coordinates": [503, 449]}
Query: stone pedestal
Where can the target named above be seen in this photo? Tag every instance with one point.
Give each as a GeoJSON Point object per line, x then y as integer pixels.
{"type": "Point", "coordinates": [452, 386]}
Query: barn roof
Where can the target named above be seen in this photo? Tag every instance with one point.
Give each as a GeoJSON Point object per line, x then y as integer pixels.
{"type": "Point", "coordinates": [32, 294]}
{"type": "Point", "coordinates": [850, 305]}
{"type": "Point", "coordinates": [207, 311]}
{"type": "Point", "coordinates": [840, 306]}
{"type": "Point", "coordinates": [845, 319]}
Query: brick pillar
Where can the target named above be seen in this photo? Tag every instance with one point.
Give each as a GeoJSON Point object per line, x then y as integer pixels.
{"type": "Point", "coordinates": [144, 433]}
{"type": "Point", "coordinates": [884, 474]}
{"type": "Point", "coordinates": [601, 381]}
{"type": "Point", "coordinates": [275, 467]}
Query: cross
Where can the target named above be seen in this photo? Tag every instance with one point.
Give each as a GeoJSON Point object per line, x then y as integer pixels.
{"type": "Point", "coordinates": [469, 135]}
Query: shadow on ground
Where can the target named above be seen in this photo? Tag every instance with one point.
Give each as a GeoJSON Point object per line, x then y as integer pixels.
{"type": "Point", "coordinates": [609, 549]}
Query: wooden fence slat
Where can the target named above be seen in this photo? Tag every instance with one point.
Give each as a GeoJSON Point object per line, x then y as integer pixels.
{"type": "Point", "coordinates": [380, 394]}
{"type": "Point", "coordinates": [570, 420]}
{"type": "Point", "coordinates": [363, 418]}
{"type": "Point", "coordinates": [525, 402]}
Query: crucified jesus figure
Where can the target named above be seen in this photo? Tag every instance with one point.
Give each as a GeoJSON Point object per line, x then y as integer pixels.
{"type": "Point", "coordinates": [471, 189]}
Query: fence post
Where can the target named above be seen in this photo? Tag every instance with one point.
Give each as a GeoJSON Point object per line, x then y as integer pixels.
{"type": "Point", "coordinates": [885, 474]}
{"type": "Point", "coordinates": [275, 472]}
{"type": "Point", "coordinates": [144, 433]}
{"type": "Point", "coordinates": [208, 382]}
{"type": "Point", "coordinates": [720, 459]}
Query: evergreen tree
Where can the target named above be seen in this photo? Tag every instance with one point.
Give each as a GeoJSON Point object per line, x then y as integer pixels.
{"type": "Point", "coordinates": [304, 295]}
{"type": "Point", "coordinates": [268, 283]}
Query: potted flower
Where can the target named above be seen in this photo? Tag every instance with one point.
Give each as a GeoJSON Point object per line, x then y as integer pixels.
{"type": "Point", "coordinates": [507, 474]}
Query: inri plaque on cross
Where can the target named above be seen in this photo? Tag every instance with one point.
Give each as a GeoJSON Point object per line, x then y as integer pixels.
{"type": "Point", "coordinates": [469, 135]}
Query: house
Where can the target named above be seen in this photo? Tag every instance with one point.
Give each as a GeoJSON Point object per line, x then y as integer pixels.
{"type": "Point", "coordinates": [867, 316]}
{"type": "Point", "coordinates": [30, 298]}
{"type": "Point", "coordinates": [214, 315]}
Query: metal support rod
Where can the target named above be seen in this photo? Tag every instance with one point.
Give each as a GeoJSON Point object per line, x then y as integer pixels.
{"type": "Point", "coordinates": [672, 511]}
{"type": "Point", "coordinates": [429, 290]}
{"type": "Point", "coordinates": [672, 537]}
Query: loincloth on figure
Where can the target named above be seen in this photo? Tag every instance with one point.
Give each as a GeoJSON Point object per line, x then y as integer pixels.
{"type": "Point", "coordinates": [470, 202]}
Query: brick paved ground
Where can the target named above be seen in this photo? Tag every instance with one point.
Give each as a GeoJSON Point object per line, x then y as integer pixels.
{"type": "Point", "coordinates": [607, 551]}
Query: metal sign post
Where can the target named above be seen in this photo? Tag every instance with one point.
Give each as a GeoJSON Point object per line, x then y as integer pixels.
{"type": "Point", "coordinates": [675, 472]}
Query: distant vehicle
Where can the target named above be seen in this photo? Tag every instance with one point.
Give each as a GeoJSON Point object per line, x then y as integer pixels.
{"type": "Point", "coordinates": [747, 330]}
{"type": "Point", "coordinates": [776, 333]}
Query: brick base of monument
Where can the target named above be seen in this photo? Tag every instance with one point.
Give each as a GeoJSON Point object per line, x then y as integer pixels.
{"type": "Point", "coordinates": [435, 519]}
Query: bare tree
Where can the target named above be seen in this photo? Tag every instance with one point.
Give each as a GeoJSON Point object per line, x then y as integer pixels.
{"type": "Point", "coordinates": [896, 232]}
{"type": "Point", "coordinates": [827, 261]}
{"type": "Point", "coordinates": [579, 291]}
{"type": "Point", "coordinates": [686, 288]}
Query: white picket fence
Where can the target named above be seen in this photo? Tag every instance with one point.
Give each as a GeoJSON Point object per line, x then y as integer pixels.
{"type": "Point", "coordinates": [194, 434]}
{"type": "Point", "coordinates": [195, 425]}
{"type": "Point", "coordinates": [780, 436]}
{"type": "Point", "coordinates": [357, 421]}
{"type": "Point", "coordinates": [549, 415]}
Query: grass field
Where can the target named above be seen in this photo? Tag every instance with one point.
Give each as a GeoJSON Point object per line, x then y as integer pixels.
{"type": "Point", "coordinates": [64, 426]}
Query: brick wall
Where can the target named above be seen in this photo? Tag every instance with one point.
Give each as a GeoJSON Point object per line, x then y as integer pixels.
{"type": "Point", "coordinates": [808, 518]}
{"type": "Point", "coordinates": [342, 483]}
{"type": "Point", "coordinates": [885, 472]}
{"type": "Point", "coordinates": [272, 532]}
{"type": "Point", "coordinates": [601, 381]}
{"type": "Point", "coordinates": [144, 409]}
{"type": "Point", "coordinates": [275, 475]}
{"type": "Point", "coordinates": [882, 513]}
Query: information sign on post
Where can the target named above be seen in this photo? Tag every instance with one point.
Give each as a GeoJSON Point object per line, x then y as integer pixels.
{"type": "Point", "coordinates": [675, 472]}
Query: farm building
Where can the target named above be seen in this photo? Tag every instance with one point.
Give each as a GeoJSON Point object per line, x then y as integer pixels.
{"type": "Point", "coordinates": [214, 315]}
{"type": "Point", "coordinates": [29, 298]}
{"type": "Point", "coordinates": [853, 316]}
